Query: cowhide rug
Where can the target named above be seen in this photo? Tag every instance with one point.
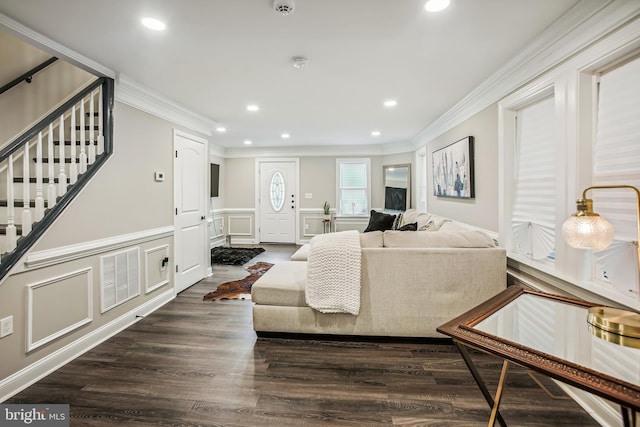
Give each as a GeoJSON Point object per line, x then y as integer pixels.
{"type": "Point", "coordinates": [239, 289]}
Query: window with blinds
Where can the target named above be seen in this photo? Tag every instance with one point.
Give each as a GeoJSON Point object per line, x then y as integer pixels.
{"type": "Point", "coordinates": [353, 186]}
{"type": "Point", "coordinates": [617, 161]}
{"type": "Point", "coordinates": [533, 210]}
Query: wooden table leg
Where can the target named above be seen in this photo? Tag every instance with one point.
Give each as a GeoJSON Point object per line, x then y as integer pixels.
{"type": "Point", "coordinates": [476, 376]}
{"type": "Point", "coordinates": [496, 402]}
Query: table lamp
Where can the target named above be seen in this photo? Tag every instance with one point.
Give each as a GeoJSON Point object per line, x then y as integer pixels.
{"type": "Point", "coordinates": [585, 229]}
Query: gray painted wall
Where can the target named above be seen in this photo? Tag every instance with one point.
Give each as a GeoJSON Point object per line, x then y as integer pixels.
{"type": "Point", "coordinates": [482, 211]}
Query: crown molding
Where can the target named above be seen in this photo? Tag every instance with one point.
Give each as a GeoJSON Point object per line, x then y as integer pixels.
{"type": "Point", "coordinates": [321, 151]}
{"type": "Point", "coordinates": [45, 43]}
{"type": "Point", "coordinates": [130, 92]}
{"type": "Point", "coordinates": [585, 23]}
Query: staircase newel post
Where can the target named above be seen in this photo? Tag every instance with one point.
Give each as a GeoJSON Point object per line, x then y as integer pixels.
{"type": "Point", "coordinates": [51, 199]}
{"type": "Point", "coordinates": [83, 152]}
{"type": "Point", "coordinates": [73, 166]}
{"type": "Point", "coordinates": [62, 176]}
{"type": "Point", "coordinates": [12, 236]}
{"type": "Point", "coordinates": [100, 123]}
{"type": "Point", "coordinates": [92, 138]}
{"type": "Point", "coordinates": [39, 180]}
{"type": "Point", "coordinates": [26, 196]}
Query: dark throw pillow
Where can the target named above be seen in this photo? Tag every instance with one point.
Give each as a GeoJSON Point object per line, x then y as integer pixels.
{"type": "Point", "coordinates": [379, 221]}
{"type": "Point", "coordinates": [409, 227]}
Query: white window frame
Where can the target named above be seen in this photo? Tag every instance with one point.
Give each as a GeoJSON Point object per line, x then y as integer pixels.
{"type": "Point", "coordinates": [507, 112]}
{"type": "Point", "coordinates": [421, 177]}
{"type": "Point", "coordinates": [574, 86]}
{"type": "Point", "coordinates": [367, 163]}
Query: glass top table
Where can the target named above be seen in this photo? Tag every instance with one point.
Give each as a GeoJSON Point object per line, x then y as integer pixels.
{"type": "Point", "coordinates": [551, 335]}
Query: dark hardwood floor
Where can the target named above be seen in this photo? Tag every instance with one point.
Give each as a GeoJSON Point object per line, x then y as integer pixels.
{"type": "Point", "coordinates": [199, 363]}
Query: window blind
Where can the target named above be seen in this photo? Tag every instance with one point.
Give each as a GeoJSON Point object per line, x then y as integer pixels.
{"type": "Point", "coordinates": [617, 161]}
{"type": "Point", "coordinates": [533, 213]}
{"type": "Point", "coordinates": [353, 192]}
{"type": "Point", "coordinates": [617, 148]}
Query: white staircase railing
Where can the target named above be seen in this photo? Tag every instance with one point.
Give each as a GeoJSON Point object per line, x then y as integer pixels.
{"type": "Point", "coordinates": [26, 176]}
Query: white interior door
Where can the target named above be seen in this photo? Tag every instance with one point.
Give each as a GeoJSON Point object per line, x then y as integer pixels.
{"type": "Point", "coordinates": [278, 202]}
{"type": "Point", "coordinates": [190, 179]}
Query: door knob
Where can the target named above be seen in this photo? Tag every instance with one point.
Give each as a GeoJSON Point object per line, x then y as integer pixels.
{"type": "Point", "coordinates": [203, 217]}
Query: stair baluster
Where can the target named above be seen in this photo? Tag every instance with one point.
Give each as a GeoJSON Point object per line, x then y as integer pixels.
{"type": "Point", "coordinates": [31, 223]}
{"type": "Point", "coordinates": [11, 231]}
{"type": "Point", "coordinates": [73, 167]}
{"type": "Point", "coordinates": [51, 199]}
{"type": "Point", "coordinates": [62, 175]}
{"type": "Point", "coordinates": [100, 124]}
{"type": "Point", "coordinates": [83, 152]}
{"type": "Point", "coordinates": [26, 196]}
{"type": "Point", "coordinates": [92, 139]}
{"type": "Point", "coordinates": [39, 180]}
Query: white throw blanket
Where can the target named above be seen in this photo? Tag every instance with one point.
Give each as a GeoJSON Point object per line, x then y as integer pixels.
{"type": "Point", "coordinates": [333, 273]}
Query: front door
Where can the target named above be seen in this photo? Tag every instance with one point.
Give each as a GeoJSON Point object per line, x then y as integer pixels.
{"type": "Point", "coordinates": [190, 180]}
{"type": "Point", "coordinates": [277, 201]}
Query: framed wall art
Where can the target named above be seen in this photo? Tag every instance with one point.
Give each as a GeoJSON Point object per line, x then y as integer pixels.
{"type": "Point", "coordinates": [453, 170]}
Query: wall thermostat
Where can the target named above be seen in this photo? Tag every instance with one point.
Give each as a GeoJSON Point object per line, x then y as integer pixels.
{"type": "Point", "coordinates": [159, 176]}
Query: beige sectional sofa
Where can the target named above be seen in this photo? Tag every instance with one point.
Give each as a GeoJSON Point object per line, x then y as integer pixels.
{"type": "Point", "coordinates": [411, 283]}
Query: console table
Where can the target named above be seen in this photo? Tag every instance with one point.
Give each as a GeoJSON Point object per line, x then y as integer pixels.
{"type": "Point", "coordinates": [550, 334]}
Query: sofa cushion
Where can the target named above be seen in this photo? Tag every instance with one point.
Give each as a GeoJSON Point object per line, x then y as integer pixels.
{"type": "Point", "coordinates": [380, 221]}
{"type": "Point", "coordinates": [301, 254]}
{"type": "Point", "coordinates": [372, 239]}
{"type": "Point", "coordinates": [433, 223]}
{"type": "Point", "coordinates": [421, 218]}
{"type": "Point", "coordinates": [409, 227]}
{"type": "Point", "coordinates": [440, 239]}
{"type": "Point", "coordinates": [283, 284]}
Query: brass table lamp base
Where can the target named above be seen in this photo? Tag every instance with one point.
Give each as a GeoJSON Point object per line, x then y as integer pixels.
{"type": "Point", "coordinates": [615, 325]}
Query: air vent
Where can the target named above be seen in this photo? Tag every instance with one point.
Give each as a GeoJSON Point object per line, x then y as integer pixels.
{"type": "Point", "coordinates": [284, 7]}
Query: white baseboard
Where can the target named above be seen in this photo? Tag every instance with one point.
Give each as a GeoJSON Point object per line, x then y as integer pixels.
{"type": "Point", "coordinates": [236, 241]}
{"type": "Point", "coordinates": [27, 376]}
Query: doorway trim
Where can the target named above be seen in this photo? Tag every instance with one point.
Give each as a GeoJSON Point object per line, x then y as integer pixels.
{"type": "Point", "coordinates": [256, 191]}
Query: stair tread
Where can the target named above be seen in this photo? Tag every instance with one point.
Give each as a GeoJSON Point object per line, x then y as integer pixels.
{"type": "Point", "coordinates": [32, 180]}
{"type": "Point", "coordinates": [57, 143]}
{"type": "Point", "coordinates": [57, 160]}
{"type": "Point", "coordinates": [19, 203]}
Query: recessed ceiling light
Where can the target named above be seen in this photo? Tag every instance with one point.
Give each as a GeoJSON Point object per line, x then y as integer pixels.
{"type": "Point", "coordinates": [247, 142]}
{"type": "Point", "coordinates": [221, 129]}
{"type": "Point", "coordinates": [252, 107]}
{"type": "Point", "coordinates": [375, 133]}
{"type": "Point", "coordinates": [285, 136]}
{"type": "Point", "coordinates": [436, 5]}
{"type": "Point", "coordinates": [390, 103]}
{"type": "Point", "coordinates": [153, 24]}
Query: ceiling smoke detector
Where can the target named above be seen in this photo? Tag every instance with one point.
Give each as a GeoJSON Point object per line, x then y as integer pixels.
{"type": "Point", "coordinates": [299, 62]}
{"type": "Point", "coordinates": [284, 7]}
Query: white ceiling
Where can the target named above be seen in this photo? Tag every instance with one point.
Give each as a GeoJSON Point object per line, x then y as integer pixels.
{"type": "Point", "coordinates": [217, 56]}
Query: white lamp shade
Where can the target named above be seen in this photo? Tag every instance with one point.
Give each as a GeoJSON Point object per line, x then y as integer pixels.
{"type": "Point", "coordinates": [587, 232]}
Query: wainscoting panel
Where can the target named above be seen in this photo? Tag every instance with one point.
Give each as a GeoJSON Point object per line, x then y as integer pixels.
{"type": "Point", "coordinates": [345, 224]}
{"type": "Point", "coordinates": [58, 306]}
{"type": "Point", "coordinates": [312, 225]}
{"type": "Point", "coordinates": [156, 274]}
{"type": "Point", "coordinates": [240, 225]}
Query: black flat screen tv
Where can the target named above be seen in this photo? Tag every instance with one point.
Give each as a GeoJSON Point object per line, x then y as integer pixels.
{"type": "Point", "coordinates": [395, 198]}
{"type": "Point", "coordinates": [215, 180]}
